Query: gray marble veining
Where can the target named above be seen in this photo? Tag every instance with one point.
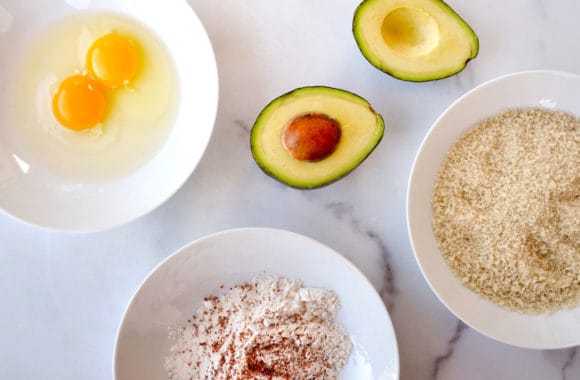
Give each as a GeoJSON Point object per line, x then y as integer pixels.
{"type": "Point", "coordinates": [569, 363]}
{"type": "Point", "coordinates": [62, 296]}
{"type": "Point", "coordinates": [388, 289]}
{"type": "Point", "coordinates": [449, 350]}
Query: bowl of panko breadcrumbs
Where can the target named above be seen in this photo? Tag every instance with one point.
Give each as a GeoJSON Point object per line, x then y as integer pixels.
{"type": "Point", "coordinates": [493, 209]}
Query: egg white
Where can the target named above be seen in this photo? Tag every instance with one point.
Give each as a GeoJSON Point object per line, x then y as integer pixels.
{"type": "Point", "coordinates": [138, 118]}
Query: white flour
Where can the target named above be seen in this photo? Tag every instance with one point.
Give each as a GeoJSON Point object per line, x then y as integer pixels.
{"type": "Point", "coordinates": [268, 329]}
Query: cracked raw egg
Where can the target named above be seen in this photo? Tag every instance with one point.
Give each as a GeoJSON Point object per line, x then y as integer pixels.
{"type": "Point", "coordinates": [113, 60]}
{"type": "Point", "coordinates": [102, 102]}
{"type": "Point", "coordinates": [79, 103]}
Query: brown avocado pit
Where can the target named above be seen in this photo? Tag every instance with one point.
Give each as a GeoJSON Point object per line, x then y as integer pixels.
{"type": "Point", "coordinates": [311, 137]}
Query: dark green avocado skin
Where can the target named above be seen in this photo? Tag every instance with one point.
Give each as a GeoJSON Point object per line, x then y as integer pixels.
{"type": "Point", "coordinates": [265, 168]}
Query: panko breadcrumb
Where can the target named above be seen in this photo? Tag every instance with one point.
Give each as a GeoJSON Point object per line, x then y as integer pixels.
{"type": "Point", "coordinates": [506, 209]}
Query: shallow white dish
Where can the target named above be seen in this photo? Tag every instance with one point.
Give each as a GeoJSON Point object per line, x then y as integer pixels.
{"type": "Point", "coordinates": [41, 199]}
{"type": "Point", "coordinates": [176, 287]}
{"type": "Point", "coordinates": [525, 89]}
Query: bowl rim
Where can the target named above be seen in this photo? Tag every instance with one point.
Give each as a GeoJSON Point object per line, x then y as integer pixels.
{"type": "Point", "coordinates": [413, 238]}
{"type": "Point", "coordinates": [139, 212]}
{"type": "Point", "coordinates": [262, 230]}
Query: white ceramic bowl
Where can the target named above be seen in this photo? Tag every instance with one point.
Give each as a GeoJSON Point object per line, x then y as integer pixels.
{"type": "Point", "coordinates": [47, 201]}
{"type": "Point", "coordinates": [172, 291]}
{"type": "Point", "coordinates": [525, 89]}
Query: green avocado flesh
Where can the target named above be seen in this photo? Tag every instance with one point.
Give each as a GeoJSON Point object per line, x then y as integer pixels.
{"type": "Point", "coordinates": [414, 40]}
{"type": "Point", "coordinates": [326, 154]}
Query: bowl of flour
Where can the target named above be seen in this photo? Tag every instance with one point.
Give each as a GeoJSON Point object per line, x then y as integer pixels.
{"type": "Point", "coordinates": [256, 303]}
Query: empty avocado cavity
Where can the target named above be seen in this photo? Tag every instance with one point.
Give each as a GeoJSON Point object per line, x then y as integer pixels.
{"type": "Point", "coordinates": [313, 136]}
{"type": "Point", "coordinates": [414, 40]}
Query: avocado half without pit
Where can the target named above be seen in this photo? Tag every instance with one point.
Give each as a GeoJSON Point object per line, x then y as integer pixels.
{"type": "Point", "coordinates": [313, 136]}
{"type": "Point", "coordinates": [414, 40]}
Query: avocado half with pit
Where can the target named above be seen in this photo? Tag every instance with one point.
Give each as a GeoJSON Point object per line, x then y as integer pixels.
{"type": "Point", "coordinates": [414, 40]}
{"type": "Point", "coordinates": [313, 136]}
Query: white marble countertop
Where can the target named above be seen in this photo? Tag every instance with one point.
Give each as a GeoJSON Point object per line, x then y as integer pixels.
{"type": "Point", "coordinates": [62, 296]}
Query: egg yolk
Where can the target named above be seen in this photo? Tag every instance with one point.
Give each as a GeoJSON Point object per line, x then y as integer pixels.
{"type": "Point", "coordinates": [113, 60]}
{"type": "Point", "coordinates": [79, 103]}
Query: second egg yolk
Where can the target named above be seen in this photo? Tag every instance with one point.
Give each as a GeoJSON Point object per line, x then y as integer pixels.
{"type": "Point", "coordinates": [113, 60]}
{"type": "Point", "coordinates": [79, 103]}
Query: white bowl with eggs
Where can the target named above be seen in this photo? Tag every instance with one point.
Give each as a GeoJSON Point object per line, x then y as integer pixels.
{"type": "Point", "coordinates": [146, 139]}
